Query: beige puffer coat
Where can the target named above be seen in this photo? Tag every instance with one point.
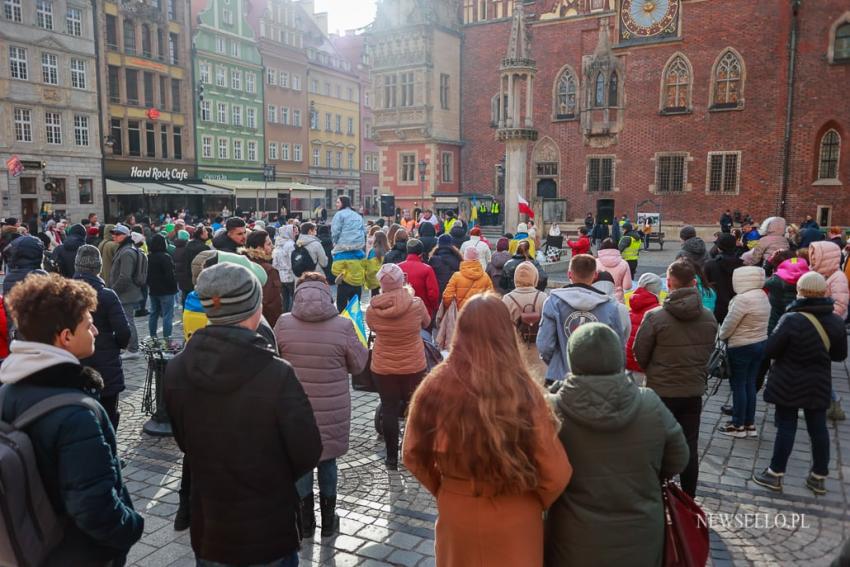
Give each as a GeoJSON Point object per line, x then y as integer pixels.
{"type": "Point", "coordinates": [749, 310]}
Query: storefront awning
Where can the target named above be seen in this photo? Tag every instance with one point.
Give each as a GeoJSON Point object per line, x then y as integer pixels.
{"type": "Point", "coordinates": [115, 187]}
{"type": "Point", "coordinates": [262, 185]}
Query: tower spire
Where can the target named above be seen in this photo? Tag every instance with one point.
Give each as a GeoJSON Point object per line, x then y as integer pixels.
{"type": "Point", "coordinates": [519, 46]}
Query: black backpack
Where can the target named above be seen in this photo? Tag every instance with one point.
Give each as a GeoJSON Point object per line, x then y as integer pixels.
{"type": "Point", "coordinates": [528, 324]}
{"type": "Point", "coordinates": [301, 260]}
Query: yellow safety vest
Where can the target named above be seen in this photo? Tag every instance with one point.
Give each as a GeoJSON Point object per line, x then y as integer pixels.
{"type": "Point", "coordinates": [449, 224]}
{"type": "Point", "coordinates": [494, 208]}
{"type": "Point", "coordinates": [633, 251]}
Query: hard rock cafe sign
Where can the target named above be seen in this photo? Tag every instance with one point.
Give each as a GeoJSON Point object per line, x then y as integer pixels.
{"type": "Point", "coordinates": [159, 174]}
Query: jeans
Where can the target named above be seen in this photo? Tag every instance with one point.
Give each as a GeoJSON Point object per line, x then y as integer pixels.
{"type": "Point", "coordinates": [327, 480]}
{"type": "Point", "coordinates": [687, 412]}
{"type": "Point", "coordinates": [395, 390]}
{"type": "Point", "coordinates": [287, 294]}
{"type": "Point", "coordinates": [786, 430]}
{"type": "Point", "coordinates": [744, 362]}
{"type": "Point", "coordinates": [110, 404]}
{"type": "Point", "coordinates": [130, 313]}
{"type": "Point", "coordinates": [291, 561]}
{"type": "Point", "coordinates": [344, 293]}
{"type": "Point", "coordinates": [161, 306]}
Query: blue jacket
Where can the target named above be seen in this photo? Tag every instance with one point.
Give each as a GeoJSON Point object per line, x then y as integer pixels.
{"type": "Point", "coordinates": [113, 334]}
{"type": "Point", "coordinates": [78, 461]}
{"type": "Point", "coordinates": [348, 230]}
{"type": "Point", "coordinates": [25, 256]}
{"type": "Point", "coordinates": [563, 312]}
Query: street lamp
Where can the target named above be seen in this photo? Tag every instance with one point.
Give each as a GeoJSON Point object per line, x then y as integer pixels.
{"type": "Point", "coordinates": [423, 165]}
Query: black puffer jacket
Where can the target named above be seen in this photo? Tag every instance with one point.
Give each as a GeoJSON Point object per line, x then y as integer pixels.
{"type": "Point", "coordinates": [397, 254]}
{"type": "Point", "coordinates": [801, 375]}
{"type": "Point", "coordinates": [113, 334]}
{"type": "Point", "coordinates": [161, 277]}
{"type": "Point", "coordinates": [445, 261]}
{"type": "Point", "coordinates": [506, 282]}
{"type": "Point", "coordinates": [25, 256]}
{"type": "Point", "coordinates": [66, 252]}
{"type": "Point", "coordinates": [428, 236]}
{"type": "Point", "coordinates": [223, 243]}
{"type": "Point", "coordinates": [194, 248]}
{"type": "Point", "coordinates": [226, 382]}
{"type": "Point", "coordinates": [182, 267]}
{"type": "Point", "coordinates": [458, 234]}
{"type": "Point", "coordinates": [718, 271]}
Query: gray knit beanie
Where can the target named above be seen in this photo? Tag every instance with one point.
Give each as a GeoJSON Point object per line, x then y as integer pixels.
{"type": "Point", "coordinates": [88, 260]}
{"type": "Point", "coordinates": [229, 293]}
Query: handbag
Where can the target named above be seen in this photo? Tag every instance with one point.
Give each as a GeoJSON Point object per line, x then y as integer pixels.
{"type": "Point", "coordinates": [364, 381]}
{"type": "Point", "coordinates": [718, 366]}
{"type": "Point", "coordinates": [685, 529]}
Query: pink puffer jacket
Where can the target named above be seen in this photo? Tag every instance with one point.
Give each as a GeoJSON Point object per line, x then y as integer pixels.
{"type": "Point", "coordinates": [772, 240]}
{"type": "Point", "coordinates": [825, 259]}
{"type": "Point", "coordinates": [610, 261]}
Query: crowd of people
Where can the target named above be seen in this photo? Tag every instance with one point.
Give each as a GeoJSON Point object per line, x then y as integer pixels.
{"type": "Point", "coordinates": [578, 400]}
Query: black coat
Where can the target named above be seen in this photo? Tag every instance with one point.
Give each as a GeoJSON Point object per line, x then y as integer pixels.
{"type": "Point", "coordinates": [78, 462]}
{"type": "Point", "coordinates": [781, 294]}
{"type": "Point", "coordinates": [113, 334]}
{"type": "Point", "coordinates": [445, 261]}
{"type": "Point", "coordinates": [194, 248]}
{"type": "Point", "coordinates": [248, 431]}
{"type": "Point", "coordinates": [25, 256]}
{"type": "Point", "coordinates": [801, 375]}
{"type": "Point", "coordinates": [162, 279]}
{"type": "Point", "coordinates": [328, 246]}
{"type": "Point", "coordinates": [397, 254]}
{"type": "Point", "coordinates": [182, 268]}
{"type": "Point", "coordinates": [223, 243]}
{"type": "Point", "coordinates": [507, 279]}
{"type": "Point", "coordinates": [718, 271]}
{"type": "Point", "coordinates": [428, 236]}
{"type": "Point", "coordinates": [66, 253]}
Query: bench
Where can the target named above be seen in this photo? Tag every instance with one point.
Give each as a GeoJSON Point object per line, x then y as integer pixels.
{"type": "Point", "coordinates": [654, 237]}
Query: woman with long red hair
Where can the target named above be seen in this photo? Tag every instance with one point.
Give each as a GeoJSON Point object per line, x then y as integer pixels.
{"type": "Point", "coordinates": [483, 440]}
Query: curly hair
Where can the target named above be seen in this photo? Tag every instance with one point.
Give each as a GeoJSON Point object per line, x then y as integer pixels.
{"type": "Point", "coordinates": [42, 306]}
{"type": "Point", "coordinates": [482, 402]}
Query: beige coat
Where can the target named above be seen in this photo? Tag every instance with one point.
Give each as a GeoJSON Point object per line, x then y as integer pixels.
{"type": "Point", "coordinates": [525, 296]}
{"type": "Point", "coordinates": [749, 310]}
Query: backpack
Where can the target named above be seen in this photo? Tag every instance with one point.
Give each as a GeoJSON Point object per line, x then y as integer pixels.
{"type": "Point", "coordinates": [29, 527]}
{"type": "Point", "coordinates": [140, 275]}
{"type": "Point", "coordinates": [528, 324]}
{"type": "Point", "coordinates": [301, 260]}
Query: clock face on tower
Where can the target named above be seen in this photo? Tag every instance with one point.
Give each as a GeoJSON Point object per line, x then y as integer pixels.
{"type": "Point", "coordinates": [648, 19]}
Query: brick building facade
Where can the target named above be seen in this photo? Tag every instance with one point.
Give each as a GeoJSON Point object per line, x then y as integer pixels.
{"type": "Point", "coordinates": [687, 107]}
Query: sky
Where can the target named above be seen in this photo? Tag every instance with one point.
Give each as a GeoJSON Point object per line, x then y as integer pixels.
{"type": "Point", "coordinates": [347, 14]}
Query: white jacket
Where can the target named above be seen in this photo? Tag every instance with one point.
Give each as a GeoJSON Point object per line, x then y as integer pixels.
{"type": "Point", "coordinates": [749, 310]}
{"type": "Point", "coordinates": [282, 254]}
{"type": "Point", "coordinates": [484, 253]}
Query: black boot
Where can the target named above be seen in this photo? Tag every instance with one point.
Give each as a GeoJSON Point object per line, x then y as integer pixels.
{"type": "Point", "coordinates": [182, 517]}
{"type": "Point", "coordinates": [308, 517]}
{"type": "Point", "coordinates": [330, 521]}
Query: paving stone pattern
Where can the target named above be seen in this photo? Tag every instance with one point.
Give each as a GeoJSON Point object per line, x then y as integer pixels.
{"type": "Point", "coordinates": [387, 518]}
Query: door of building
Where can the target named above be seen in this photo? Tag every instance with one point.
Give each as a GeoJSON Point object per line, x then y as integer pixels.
{"type": "Point", "coordinates": [29, 209]}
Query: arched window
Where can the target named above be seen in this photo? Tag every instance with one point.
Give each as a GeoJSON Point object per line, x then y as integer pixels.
{"type": "Point", "coordinates": [830, 144]}
{"type": "Point", "coordinates": [613, 87]}
{"type": "Point", "coordinates": [677, 86]}
{"type": "Point", "coordinates": [842, 43]}
{"type": "Point", "coordinates": [599, 90]}
{"type": "Point", "coordinates": [728, 81]}
{"type": "Point", "coordinates": [565, 96]}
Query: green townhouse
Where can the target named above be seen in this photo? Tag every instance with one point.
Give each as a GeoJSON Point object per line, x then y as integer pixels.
{"type": "Point", "coordinates": [228, 77]}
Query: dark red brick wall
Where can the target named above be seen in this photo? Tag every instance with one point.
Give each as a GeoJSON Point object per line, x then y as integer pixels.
{"type": "Point", "coordinates": [757, 131]}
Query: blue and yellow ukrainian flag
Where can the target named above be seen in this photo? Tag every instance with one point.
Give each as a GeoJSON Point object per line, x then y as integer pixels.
{"type": "Point", "coordinates": [353, 312]}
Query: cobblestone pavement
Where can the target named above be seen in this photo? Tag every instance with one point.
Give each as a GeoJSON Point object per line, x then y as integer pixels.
{"type": "Point", "coordinates": [387, 518]}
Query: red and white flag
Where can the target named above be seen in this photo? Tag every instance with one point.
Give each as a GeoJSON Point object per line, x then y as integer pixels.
{"type": "Point", "coordinates": [524, 207]}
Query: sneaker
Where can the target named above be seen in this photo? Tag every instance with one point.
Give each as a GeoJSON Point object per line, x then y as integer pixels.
{"type": "Point", "coordinates": [726, 410]}
{"type": "Point", "coordinates": [816, 484]}
{"type": "Point", "coordinates": [835, 413]}
{"type": "Point", "coordinates": [732, 431]}
{"type": "Point", "coordinates": [768, 479]}
{"type": "Point", "coordinates": [752, 431]}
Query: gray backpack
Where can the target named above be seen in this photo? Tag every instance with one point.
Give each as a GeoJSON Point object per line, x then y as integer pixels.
{"type": "Point", "coordinates": [29, 527]}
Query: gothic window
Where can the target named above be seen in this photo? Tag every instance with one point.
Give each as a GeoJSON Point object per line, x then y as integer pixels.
{"type": "Point", "coordinates": [599, 90]}
{"type": "Point", "coordinates": [728, 88]}
{"type": "Point", "coordinates": [830, 145]}
{"type": "Point", "coordinates": [841, 47]}
{"type": "Point", "coordinates": [613, 90]}
{"type": "Point", "coordinates": [566, 101]}
{"type": "Point", "coordinates": [676, 86]}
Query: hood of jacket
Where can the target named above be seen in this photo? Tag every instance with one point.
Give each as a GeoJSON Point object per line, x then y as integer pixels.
{"type": "Point", "coordinates": [607, 402]}
{"type": "Point", "coordinates": [792, 269]}
{"type": "Point", "coordinates": [642, 300]}
{"type": "Point", "coordinates": [27, 252]}
{"type": "Point", "coordinates": [814, 305]}
{"type": "Point", "coordinates": [695, 247]}
{"type": "Point", "coordinates": [307, 239]}
{"type": "Point", "coordinates": [471, 269]}
{"type": "Point", "coordinates": [747, 278]}
{"type": "Point", "coordinates": [605, 287]}
{"type": "Point", "coordinates": [581, 297]}
{"type": "Point", "coordinates": [391, 304]}
{"type": "Point", "coordinates": [610, 258]}
{"type": "Point", "coordinates": [313, 302]}
{"type": "Point", "coordinates": [28, 357]}
{"type": "Point", "coordinates": [685, 304]}
{"type": "Point", "coordinates": [499, 259]}
{"type": "Point", "coordinates": [824, 257]}
{"type": "Point", "coordinates": [773, 226]}
{"type": "Point", "coordinates": [257, 254]}
{"type": "Point", "coordinates": [458, 231]}
{"type": "Point", "coordinates": [222, 358]}
{"type": "Point", "coordinates": [180, 243]}
{"type": "Point", "coordinates": [728, 262]}
{"type": "Point", "coordinates": [426, 229]}
{"type": "Point", "coordinates": [283, 234]}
